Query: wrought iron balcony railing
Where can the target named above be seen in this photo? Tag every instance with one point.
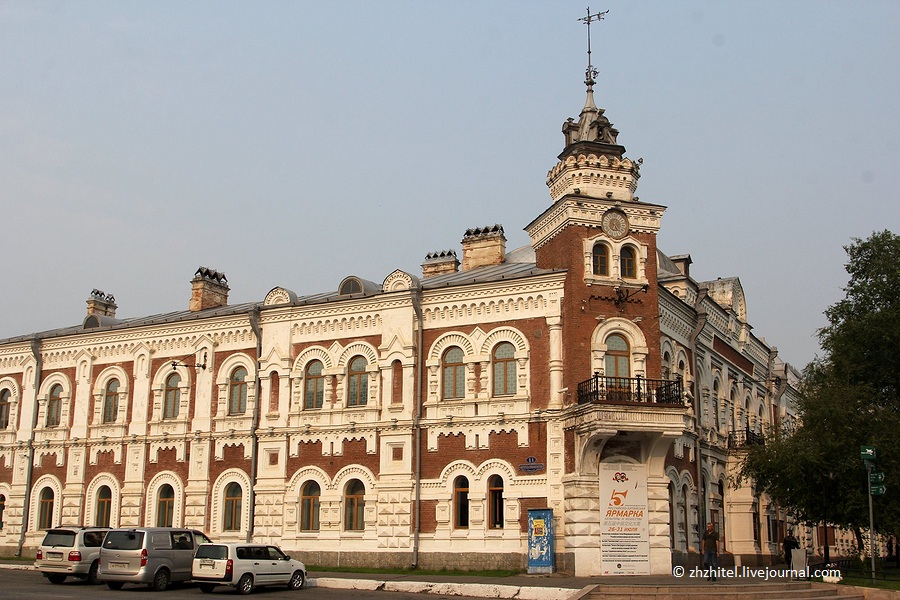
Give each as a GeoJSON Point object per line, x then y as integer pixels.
{"type": "Point", "coordinates": [616, 390]}
{"type": "Point", "coordinates": [744, 438]}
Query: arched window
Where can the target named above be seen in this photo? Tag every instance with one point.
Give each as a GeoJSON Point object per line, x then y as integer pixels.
{"type": "Point", "coordinates": [2, 509]}
{"type": "Point", "coordinates": [504, 359]}
{"type": "Point", "coordinates": [461, 503]}
{"type": "Point", "coordinates": [104, 507]}
{"type": "Point", "coordinates": [309, 506]}
{"type": "Point", "coordinates": [111, 401]}
{"type": "Point", "coordinates": [618, 368]}
{"type": "Point", "coordinates": [454, 374]}
{"type": "Point", "coordinates": [54, 406]}
{"type": "Point", "coordinates": [357, 382]}
{"type": "Point", "coordinates": [4, 408]}
{"type": "Point", "coordinates": [396, 382]}
{"type": "Point", "coordinates": [495, 502]}
{"type": "Point", "coordinates": [627, 264]}
{"type": "Point", "coordinates": [237, 392]}
{"type": "Point", "coordinates": [165, 506]}
{"type": "Point", "coordinates": [354, 506]}
{"type": "Point", "coordinates": [172, 397]}
{"type": "Point", "coordinates": [618, 358]}
{"type": "Point", "coordinates": [315, 385]}
{"type": "Point", "coordinates": [234, 494]}
{"type": "Point", "coordinates": [45, 512]}
{"type": "Point", "coordinates": [274, 392]}
{"type": "Point", "coordinates": [601, 259]}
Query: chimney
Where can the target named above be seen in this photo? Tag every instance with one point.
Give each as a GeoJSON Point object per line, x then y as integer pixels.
{"type": "Point", "coordinates": [101, 304]}
{"type": "Point", "coordinates": [483, 246]}
{"type": "Point", "coordinates": [209, 289]}
{"type": "Point", "coordinates": [438, 263]}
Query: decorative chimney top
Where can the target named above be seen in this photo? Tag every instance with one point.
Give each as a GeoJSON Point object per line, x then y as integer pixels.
{"type": "Point", "coordinates": [439, 263]}
{"type": "Point", "coordinates": [101, 304]}
{"type": "Point", "coordinates": [209, 289]}
{"type": "Point", "coordinates": [483, 246]}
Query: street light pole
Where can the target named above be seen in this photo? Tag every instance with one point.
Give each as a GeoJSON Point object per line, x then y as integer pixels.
{"type": "Point", "coordinates": [871, 519]}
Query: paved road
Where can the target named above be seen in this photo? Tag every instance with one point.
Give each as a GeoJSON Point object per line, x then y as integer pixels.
{"type": "Point", "coordinates": [29, 585]}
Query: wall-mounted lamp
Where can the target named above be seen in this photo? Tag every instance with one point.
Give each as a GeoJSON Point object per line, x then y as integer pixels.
{"type": "Point", "coordinates": [202, 366]}
{"type": "Point", "coordinates": [623, 294]}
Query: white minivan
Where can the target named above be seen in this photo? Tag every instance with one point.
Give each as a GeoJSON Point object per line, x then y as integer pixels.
{"type": "Point", "coordinates": [245, 566]}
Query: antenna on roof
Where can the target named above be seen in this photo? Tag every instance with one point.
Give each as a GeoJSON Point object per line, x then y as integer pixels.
{"type": "Point", "coordinates": [591, 72]}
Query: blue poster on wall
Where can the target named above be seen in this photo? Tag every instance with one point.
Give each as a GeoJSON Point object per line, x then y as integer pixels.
{"type": "Point", "coordinates": [541, 557]}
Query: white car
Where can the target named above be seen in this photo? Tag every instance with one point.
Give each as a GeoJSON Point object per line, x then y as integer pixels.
{"type": "Point", "coordinates": [245, 566]}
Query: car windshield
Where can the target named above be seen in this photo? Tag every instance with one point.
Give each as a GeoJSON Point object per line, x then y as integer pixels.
{"type": "Point", "coordinates": [59, 537]}
{"type": "Point", "coordinates": [217, 552]}
{"type": "Point", "coordinates": [123, 540]}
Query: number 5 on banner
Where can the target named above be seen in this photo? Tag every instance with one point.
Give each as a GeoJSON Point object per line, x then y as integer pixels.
{"type": "Point", "coordinates": [618, 498]}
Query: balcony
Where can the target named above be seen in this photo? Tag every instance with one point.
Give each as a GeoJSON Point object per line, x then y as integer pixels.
{"type": "Point", "coordinates": [629, 390]}
{"type": "Point", "coordinates": [744, 438]}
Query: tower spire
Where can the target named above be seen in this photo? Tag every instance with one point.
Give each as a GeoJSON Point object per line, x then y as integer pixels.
{"type": "Point", "coordinates": [590, 73]}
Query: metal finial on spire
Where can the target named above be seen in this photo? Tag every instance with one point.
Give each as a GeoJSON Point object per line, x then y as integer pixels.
{"type": "Point", "coordinates": [591, 72]}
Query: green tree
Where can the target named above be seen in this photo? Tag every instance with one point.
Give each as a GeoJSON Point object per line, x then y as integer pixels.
{"type": "Point", "coordinates": [848, 398]}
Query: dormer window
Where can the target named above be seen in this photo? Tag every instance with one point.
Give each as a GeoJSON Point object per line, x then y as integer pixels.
{"type": "Point", "coordinates": [351, 285]}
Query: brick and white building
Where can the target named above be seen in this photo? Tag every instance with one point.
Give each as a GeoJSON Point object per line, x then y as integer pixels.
{"type": "Point", "coordinates": [416, 419]}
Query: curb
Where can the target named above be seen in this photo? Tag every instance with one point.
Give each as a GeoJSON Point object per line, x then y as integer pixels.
{"type": "Point", "coordinates": [475, 590]}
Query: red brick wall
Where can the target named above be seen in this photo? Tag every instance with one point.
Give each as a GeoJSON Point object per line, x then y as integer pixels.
{"type": "Point", "coordinates": [502, 445]}
{"type": "Point", "coordinates": [105, 464]}
{"type": "Point", "coordinates": [584, 304]}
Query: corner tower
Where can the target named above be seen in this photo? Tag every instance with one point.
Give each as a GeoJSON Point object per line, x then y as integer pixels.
{"type": "Point", "coordinates": [604, 236]}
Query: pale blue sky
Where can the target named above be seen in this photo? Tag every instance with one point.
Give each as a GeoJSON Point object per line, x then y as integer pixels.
{"type": "Point", "coordinates": [295, 143]}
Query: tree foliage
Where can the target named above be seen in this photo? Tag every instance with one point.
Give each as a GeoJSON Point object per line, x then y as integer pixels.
{"type": "Point", "coordinates": [848, 398]}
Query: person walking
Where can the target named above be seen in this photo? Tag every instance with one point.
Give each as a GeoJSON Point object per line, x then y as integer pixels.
{"type": "Point", "coordinates": [711, 551]}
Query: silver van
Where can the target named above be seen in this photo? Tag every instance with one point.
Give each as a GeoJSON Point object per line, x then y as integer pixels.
{"type": "Point", "coordinates": [156, 556]}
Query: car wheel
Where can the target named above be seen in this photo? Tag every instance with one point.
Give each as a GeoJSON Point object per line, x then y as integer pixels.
{"type": "Point", "coordinates": [161, 580]}
{"type": "Point", "coordinates": [56, 578]}
{"type": "Point", "coordinates": [92, 573]}
{"type": "Point", "coordinates": [207, 588]}
{"type": "Point", "coordinates": [298, 580]}
{"type": "Point", "coordinates": [115, 585]}
{"type": "Point", "coordinates": [245, 584]}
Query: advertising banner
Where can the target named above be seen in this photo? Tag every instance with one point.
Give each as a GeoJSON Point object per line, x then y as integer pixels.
{"type": "Point", "coordinates": [624, 522]}
{"type": "Point", "coordinates": [540, 541]}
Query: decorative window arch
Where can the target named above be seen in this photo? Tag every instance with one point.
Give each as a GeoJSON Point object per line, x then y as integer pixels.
{"type": "Point", "coordinates": [714, 407]}
{"type": "Point", "coordinates": [236, 382]}
{"type": "Point", "coordinates": [110, 392]}
{"type": "Point", "coordinates": [230, 507]}
{"type": "Point", "coordinates": [2, 507]}
{"type": "Point", "coordinates": [600, 260]}
{"type": "Point", "coordinates": [96, 501]}
{"type": "Point", "coordinates": [617, 362]}
{"type": "Point", "coordinates": [233, 499]}
{"type": "Point", "coordinates": [171, 397]}
{"type": "Point", "coordinates": [46, 503]}
{"type": "Point", "coordinates": [165, 504]}
{"type": "Point", "coordinates": [633, 336]}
